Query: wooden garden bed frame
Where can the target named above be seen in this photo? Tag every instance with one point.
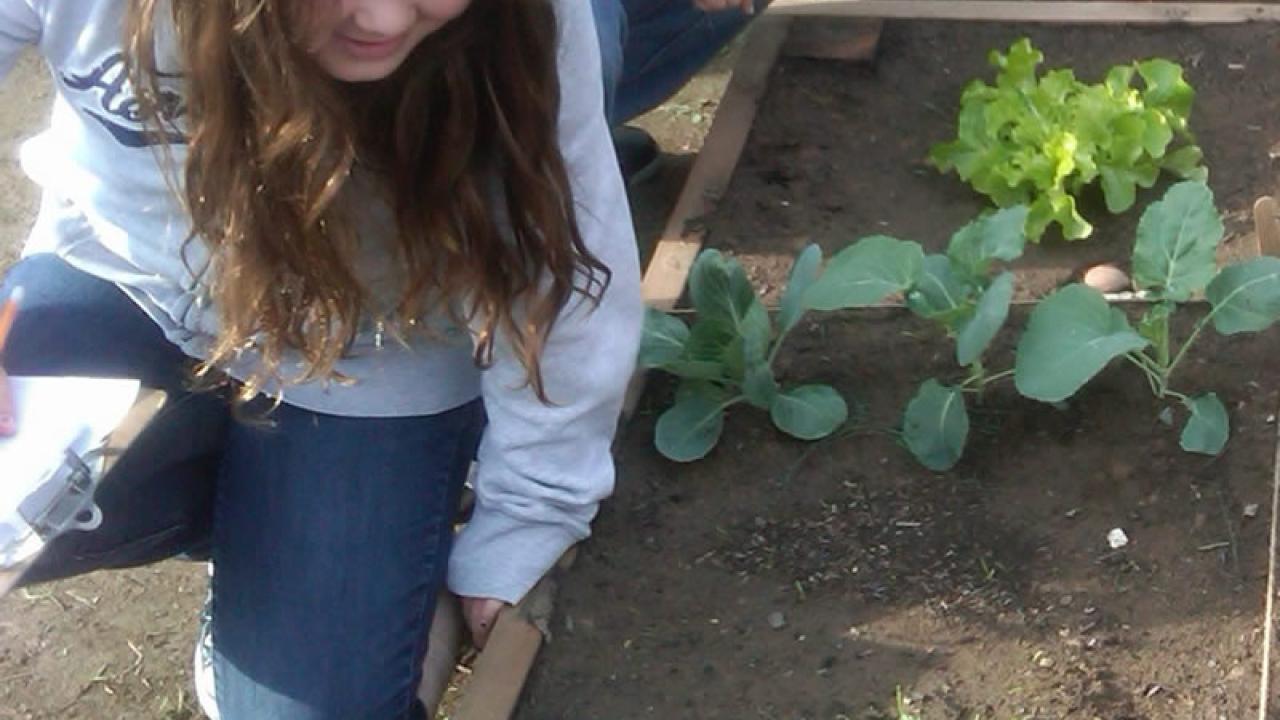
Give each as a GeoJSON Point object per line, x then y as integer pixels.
{"type": "Point", "coordinates": [501, 671]}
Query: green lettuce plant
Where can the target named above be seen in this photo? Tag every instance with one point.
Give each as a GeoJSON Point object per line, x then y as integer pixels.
{"type": "Point", "coordinates": [1040, 140]}
{"type": "Point", "coordinates": [1074, 333]}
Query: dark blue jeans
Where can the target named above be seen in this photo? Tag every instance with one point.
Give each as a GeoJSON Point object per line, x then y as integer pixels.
{"type": "Point", "coordinates": [650, 48]}
{"type": "Point", "coordinates": [329, 535]}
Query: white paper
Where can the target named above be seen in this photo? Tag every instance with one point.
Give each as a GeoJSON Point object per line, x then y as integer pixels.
{"type": "Point", "coordinates": [53, 414]}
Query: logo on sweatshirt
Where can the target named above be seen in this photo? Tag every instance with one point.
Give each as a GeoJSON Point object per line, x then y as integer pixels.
{"type": "Point", "coordinates": [116, 106]}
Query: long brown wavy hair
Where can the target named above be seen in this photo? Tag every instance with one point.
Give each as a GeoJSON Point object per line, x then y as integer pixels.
{"type": "Point", "coordinates": [462, 138]}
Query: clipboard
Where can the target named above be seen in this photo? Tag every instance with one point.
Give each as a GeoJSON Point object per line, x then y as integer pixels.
{"type": "Point", "coordinates": [64, 500]}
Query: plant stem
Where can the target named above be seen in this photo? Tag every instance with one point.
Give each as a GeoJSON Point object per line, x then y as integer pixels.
{"type": "Point", "coordinates": [777, 344]}
{"type": "Point", "coordinates": [999, 376]}
{"type": "Point", "coordinates": [1200, 326]}
{"type": "Point", "coordinates": [1145, 364]}
{"type": "Point", "coordinates": [1177, 395]}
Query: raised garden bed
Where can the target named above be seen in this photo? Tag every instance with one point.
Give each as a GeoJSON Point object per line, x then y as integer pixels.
{"type": "Point", "coordinates": [990, 591]}
{"type": "Point", "coordinates": [780, 579]}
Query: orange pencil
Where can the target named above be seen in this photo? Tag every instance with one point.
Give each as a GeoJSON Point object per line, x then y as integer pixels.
{"type": "Point", "coordinates": [8, 314]}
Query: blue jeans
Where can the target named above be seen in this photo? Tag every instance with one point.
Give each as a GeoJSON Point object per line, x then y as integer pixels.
{"type": "Point", "coordinates": [330, 535]}
{"type": "Point", "coordinates": [650, 48]}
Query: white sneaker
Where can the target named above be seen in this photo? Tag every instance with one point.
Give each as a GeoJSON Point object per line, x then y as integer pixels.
{"type": "Point", "coordinates": [202, 663]}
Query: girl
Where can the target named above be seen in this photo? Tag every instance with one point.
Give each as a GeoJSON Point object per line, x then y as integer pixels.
{"type": "Point", "coordinates": [386, 221]}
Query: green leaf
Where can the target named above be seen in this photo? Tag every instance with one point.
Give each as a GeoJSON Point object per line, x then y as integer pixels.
{"type": "Point", "coordinates": [1071, 336]}
{"type": "Point", "coordinates": [689, 429]}
{"type": "Point", "coordinates": [1156, 133]}
{"type": "Point", "coordinates": [1059, 207]}
{"type": "Point", "coordinates": [722, 293]}
{"type": "Point", "coordinates": [689, 387]}
{"type": "Point", "coordinates": [1208, 428]}
{"type": "Point", "coordinates": [865, 273]}
{"type": "Point", "coordinates": [809, 412]}
{"type": "Point", "coordinates": [935, 426]}
{"type": "Point", "coordinates": [1185, 163]}
{"type": "Point", "coordinates": [1177, 239]}
{"type": "Point", "coordinates": [1120, 184]}
{"type": "Point", "coordinates": [804, 271]}
{"type": "Point", "coordinates": [663, 339]}
{"type": "Point", "coordinates": [696, 369]}
{"type": "Point", "coordinates": [1246, 296]}
{"type": "Point", "coordinates": [939, 294]}
{"type": "Point", "coordinates": [998, 236]}
{"type": "Point", "coordinates": [760, 387]}
{"type": "Point", "coordinates": [989, 316]}
{"type": "Point", "coordinates": [1165, 86]}
{"type": "Point", "coordinates": [1018, 67]}
{"type": "Point", "coordinates": [1119, 79]}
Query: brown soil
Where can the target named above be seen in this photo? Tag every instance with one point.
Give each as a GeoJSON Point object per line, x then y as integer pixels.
{"type": "Point", "coordinates": [989, 591]}
{"type": "Point", "coordinates": [839, 151]}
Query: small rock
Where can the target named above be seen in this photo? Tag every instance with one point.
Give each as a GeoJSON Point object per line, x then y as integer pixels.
{"type": "Point", "coordinates": [1251, 510]}
{"type": "Point", "coordinates": [1106, 278]}
{"type": "Point", "coordinates": [1066, 600]}
{"type": "Point", "coordinates": [777, 620]}
{"type": "Point", "coordinates": [1117, 538]}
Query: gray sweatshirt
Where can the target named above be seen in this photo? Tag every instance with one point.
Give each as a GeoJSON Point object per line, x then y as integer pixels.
{"type": "Point", "coordinates": [542, 469]}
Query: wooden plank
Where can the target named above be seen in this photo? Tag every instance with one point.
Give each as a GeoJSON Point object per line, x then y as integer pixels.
{"type": "Point", "coordinates": [1046, 11]}
{"type": "Point", "coordinates": [668, 270]}
{"type": "Point", "coordinates": [1266, 223]}
{"type": "Point", "coordinates": [499, 673]}
{"type": "Point", "coordinates": [846, 39]}
{"type": "Point", "coordinates": [501, 670]}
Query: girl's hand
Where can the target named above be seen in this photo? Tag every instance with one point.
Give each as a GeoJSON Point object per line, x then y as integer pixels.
{"type": "Point", "coordinates": [8, 424]}
{"type": "Point", "coordinates": [481, 614]}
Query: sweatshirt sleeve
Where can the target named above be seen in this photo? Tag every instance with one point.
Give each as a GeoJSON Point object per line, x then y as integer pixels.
{"type": "Point", "coordinates": [543, 469]}
{"type": "Point", "coordinates": [19, 27]}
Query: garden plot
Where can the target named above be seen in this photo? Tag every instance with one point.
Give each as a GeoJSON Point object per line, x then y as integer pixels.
{"type": "Point", "coordinates": [1075, 563]}
{"type": "Point", "coordinates": [789, 580]}
{"type": "Point", "coordinates": [838, 152]}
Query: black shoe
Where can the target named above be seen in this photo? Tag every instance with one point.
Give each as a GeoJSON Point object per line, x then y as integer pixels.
{"type": "Point", "coordinates": [638, 154]}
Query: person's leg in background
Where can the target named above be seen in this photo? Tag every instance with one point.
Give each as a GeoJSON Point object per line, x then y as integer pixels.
{"type": "Point", "coordinates": [649, 50]}
{"type": "Point", "coordinates": [158, 500]}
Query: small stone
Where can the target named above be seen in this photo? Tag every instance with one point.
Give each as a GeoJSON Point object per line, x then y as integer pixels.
{"type": "Point", "coordinates": [1251, 510]}
{"type": "Point", "coordinates": [777, 620]}
{"type": "Point", "coordinates": [1045, 662]}
{"type": "Point", "coordinates": [1117, 538]}
{"type": "Point", "coordinates": [1066, 600]}
{"type": "Point", "coordinates": [1106, 278]}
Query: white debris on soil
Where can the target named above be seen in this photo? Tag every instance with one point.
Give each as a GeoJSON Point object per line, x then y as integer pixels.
{"type": "Point", "coordinates": [1117, 539]}
{"type": "Point", "coordinates": [1251, 510]}
{"type": "Point", "coordinates": [777, 620]}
